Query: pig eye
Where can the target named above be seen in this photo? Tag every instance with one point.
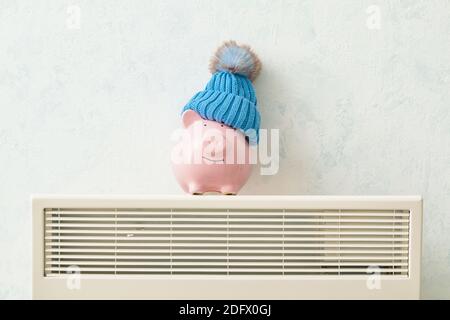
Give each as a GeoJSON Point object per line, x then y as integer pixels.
{"type": "Point", "coordinates": [204, 124]}
{"type": "Point", "coordinates": [221, 125]}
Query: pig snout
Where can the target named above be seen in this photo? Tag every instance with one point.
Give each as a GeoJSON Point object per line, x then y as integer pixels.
{"type": "Point", "coordinates": [214, 148]}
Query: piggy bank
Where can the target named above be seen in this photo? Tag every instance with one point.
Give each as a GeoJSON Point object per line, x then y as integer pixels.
{"type": "Point", "coordinates": [210, 157]}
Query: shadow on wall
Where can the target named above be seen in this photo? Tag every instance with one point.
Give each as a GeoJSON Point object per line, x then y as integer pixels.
{"type": "Point", "coordinates": [288, 160]}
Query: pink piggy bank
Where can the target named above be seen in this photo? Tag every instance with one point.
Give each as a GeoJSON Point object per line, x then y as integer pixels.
{"type": "Point", "coordinates": [211, 157]}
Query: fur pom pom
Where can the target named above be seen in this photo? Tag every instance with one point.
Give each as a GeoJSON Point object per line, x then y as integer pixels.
{"type": "Point", "coordinates": [234, 58]}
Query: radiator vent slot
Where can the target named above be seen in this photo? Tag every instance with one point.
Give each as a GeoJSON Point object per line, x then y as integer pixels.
{"type": "Point", "coordinates": [226, 242]}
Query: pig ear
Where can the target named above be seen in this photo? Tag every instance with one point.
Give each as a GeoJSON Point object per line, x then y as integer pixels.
{"type": "Point", "coordinates": [189, 117]}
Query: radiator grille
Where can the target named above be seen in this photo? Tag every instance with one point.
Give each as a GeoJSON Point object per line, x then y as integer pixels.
{"type": "Point", "coordinates": [226, 242]}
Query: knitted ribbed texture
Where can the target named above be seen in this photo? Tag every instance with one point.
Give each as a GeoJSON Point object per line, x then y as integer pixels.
{"type": "Point", "coordinates": [230, 99]}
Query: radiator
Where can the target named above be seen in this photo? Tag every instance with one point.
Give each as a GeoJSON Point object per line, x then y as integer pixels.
{"type": "Point", "coordinates": [217, 247]}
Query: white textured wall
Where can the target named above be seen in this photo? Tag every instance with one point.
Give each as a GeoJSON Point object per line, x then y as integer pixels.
{"type": "Point", "coordinates": [89, 110]}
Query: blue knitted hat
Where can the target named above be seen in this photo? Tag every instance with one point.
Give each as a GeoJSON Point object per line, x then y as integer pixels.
{"type": "Point", "coordinates": [229, 96]}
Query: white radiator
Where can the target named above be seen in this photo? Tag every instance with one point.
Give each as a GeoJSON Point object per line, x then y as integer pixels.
{"type": "Point", "coordinates": [217, 247]}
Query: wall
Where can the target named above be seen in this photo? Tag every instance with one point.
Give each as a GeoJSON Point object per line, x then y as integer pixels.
{"type": "Point", "coordinates": [359, 90]}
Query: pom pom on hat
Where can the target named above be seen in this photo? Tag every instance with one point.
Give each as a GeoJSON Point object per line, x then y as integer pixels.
{"type": "Point", "coordinates": [237, 59]}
